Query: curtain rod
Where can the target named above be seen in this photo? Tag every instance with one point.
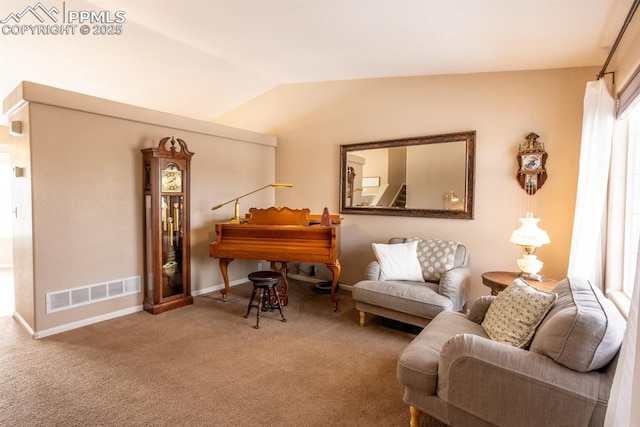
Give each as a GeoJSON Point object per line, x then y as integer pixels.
{"type": "Point", "coordinates": [632, 11]}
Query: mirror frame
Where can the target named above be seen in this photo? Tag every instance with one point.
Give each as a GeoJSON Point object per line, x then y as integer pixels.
{"type": "Point", "coordinates": [468, 137]}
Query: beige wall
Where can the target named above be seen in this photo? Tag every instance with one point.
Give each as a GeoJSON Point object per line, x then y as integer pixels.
{"type": "Point", "coordinates": [80, 201]}
{"type": "Point", "coordinates": [312, 120]}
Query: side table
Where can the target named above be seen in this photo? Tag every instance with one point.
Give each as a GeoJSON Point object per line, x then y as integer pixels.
{"type": "Point", "coordinates": [499, 280]}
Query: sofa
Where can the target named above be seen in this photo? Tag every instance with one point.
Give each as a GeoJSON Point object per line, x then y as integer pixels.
{"type": "Point", "coordinates": [413, 279]}
{"type": "Point", "coordinates": [521, 358]}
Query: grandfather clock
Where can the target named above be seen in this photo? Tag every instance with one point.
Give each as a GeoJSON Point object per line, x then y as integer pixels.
{"type": "Point", "coordinates": [166, 226]}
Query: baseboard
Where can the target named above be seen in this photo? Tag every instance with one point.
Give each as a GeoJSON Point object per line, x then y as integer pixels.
{"type": "Point", "coordinates": [96, 319]}
{"type": "Point", "coordinates": [23, 323]}
{"type": "Point", "coordinates": [217, 287]}
{"type": "Point", "coordinates": [85, 322]}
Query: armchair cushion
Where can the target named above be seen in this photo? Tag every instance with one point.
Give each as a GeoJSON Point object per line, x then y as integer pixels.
{"type": "Point", "coordinates": [399, 261]}
{"type": "Point", "coordinates": [514, 315]}
{"type": "Point", "coordinates": [584, 329]}
{"type": "Point", "coordinates": [419, 299]}
{"type": "Point", "coordinates": [419, 362]}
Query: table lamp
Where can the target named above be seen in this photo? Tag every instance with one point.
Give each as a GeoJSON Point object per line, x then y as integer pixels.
{"type": "Point", "coordinates": [236, 216]}
{"type": "Point", "coordinates": [530, 237]}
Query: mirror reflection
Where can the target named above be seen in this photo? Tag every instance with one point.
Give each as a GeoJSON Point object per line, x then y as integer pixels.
{"type": "Point", "coordinates": [425, 176]}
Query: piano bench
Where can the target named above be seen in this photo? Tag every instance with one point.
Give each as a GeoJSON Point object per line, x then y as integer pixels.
{"type": "Point", "coordinates": [265, 282]}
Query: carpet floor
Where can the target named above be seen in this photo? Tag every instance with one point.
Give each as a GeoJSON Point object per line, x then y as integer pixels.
{"type": "Point", "coordinates": [206, 365]}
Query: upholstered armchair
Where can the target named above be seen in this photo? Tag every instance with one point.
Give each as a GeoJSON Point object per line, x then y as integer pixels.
{"type": "Point", "coordinates": [522, 358]}
{"type": "Point", "coordinates": [414, 279]}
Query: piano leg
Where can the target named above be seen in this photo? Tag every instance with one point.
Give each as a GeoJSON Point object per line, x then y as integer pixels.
{"type": "Point", "coordinates": [224, 263]}
{"type": "Point", "coordinates": [335, 269]}
{"type": "Point", "coordinates": [284, 289]}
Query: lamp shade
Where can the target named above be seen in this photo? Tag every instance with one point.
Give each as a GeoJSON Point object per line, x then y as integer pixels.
{"type": "Point", "coordinates": [529, 234]}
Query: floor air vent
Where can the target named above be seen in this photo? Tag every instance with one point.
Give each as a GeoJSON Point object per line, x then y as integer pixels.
{"type": "Point", "coordinates": [70, 298]}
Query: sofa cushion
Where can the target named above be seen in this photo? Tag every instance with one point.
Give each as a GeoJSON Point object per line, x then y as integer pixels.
{"type": "Point", "coordinates": [436, 256]}
{"type": "Point", "coordinates": [514, 315]}
{"type": "Point", "coordinates": [398, 261]}
{"type": "Point", "coordinates": [418, 362]}
{"type": "Point", "coordinates": [583, 331]}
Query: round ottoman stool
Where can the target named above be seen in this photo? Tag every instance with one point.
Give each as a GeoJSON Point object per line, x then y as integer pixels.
{"type": "Point", "coordinates": [264, 282]}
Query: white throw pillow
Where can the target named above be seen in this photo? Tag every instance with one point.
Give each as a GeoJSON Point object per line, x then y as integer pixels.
{"type": "Point", "coordinates": [398, 261]}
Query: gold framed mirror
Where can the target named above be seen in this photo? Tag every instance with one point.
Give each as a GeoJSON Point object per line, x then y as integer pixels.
{"type": "Point", "coordinates": [426, 176]}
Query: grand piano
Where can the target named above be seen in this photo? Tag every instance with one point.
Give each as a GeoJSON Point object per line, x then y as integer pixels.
{"type": "Point", "coordinates": [280, 235]}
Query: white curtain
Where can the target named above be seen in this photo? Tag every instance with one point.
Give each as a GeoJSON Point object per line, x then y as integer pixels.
{"type": "Point", "coordinates": [591, 233]}
{"type": "Point", "coordinates": [586, 258]}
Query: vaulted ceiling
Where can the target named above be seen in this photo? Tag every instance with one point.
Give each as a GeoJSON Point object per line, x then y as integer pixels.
{"type": "Point", "coordinates": [202, 58]}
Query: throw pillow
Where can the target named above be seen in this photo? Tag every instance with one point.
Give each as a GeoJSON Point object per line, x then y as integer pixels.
{"type": "Point", "coordinates": [514, 315]}
{"type": "Point", "coordinates": [398, 261]}
{"type": "Point", "coordinates": [584, 329]}
{"type": "Point", "coordinates": [436, 256]}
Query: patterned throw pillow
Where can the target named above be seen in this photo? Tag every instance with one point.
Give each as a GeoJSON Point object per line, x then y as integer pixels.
{"type": "Point", "coordinates": [514, 315]}
{"type": "Point", "coordinates": [435, 256]}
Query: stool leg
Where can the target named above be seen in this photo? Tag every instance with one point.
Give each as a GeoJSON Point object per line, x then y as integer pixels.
{"type": "Point", "coordinates": [253, 295]}
{"type": "Point", "coordinates": [279, 304]}
{"type": "Point", "coordinates": [259, 309]}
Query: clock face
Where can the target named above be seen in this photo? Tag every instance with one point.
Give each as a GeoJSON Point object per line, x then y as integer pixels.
{"type": "Point", "coordinates": [531, 162]}
{"type": "Point", "coordinates": [171, 179]}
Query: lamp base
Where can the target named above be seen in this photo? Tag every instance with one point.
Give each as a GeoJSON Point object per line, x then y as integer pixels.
{"type": "Point", "coordinates": [530, 266]}
{"type": "Point", "coordinates": [530, 276]}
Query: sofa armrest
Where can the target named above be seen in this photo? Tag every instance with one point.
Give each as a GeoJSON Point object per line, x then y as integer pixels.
{"type": "Point", "coordinates": [373, 272]}
{"type": "Point", "coordinates": [454, 284]}
{"type": "Point", "coordinates": [508, 386]}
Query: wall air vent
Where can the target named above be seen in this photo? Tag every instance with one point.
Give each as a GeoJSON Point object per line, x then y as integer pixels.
{"type": "Point", "coordinates": [83, 295]}
{"type": "Point", "coordinates": [58, 301]}
{"type": "Point", "coordinates": [80, 296]}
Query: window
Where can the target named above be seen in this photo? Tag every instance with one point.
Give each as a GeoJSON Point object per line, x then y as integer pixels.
{"type": "Point", "coordinates": [632, 201]}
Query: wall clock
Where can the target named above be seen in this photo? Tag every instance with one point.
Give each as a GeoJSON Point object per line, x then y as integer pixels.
{"type": "Point", "coordinates": [532, 173]}
{"type": "Point", "coordinates": [166, 225]}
